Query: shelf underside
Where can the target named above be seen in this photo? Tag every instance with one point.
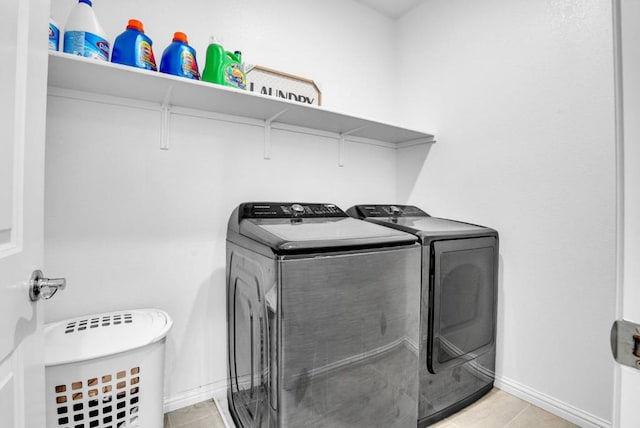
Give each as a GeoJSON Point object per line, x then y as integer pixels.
{"type": "Point", "coordinates": [102, 78]}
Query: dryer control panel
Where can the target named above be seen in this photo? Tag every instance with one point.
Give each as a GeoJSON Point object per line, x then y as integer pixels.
{"type": "Point", "coordinates": [365, 211]}
{"type": "Point", "coordinates": [289, 210]}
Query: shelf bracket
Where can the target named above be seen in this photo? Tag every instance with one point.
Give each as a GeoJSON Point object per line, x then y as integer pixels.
{"type": "Point", "coordinates": [165, 111]}
{"type": "Point", "coordinates": [341, 144]}
{"type": "Point", "coordinates": [267, 133]}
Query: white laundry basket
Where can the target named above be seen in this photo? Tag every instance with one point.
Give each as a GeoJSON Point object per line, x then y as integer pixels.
{"type": "Point", "coordinates": [106, 370]}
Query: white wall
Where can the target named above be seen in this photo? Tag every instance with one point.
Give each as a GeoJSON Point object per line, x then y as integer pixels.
{"type": "Point", "coordinates": [132, 226]}
{"type": "Point", "coordinates": [520, 97]}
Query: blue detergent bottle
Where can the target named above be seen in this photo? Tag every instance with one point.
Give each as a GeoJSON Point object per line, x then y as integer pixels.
{"type": "Point", "coordinates": [133, 47]}
{"type": "Point", "coordinates": [179, 58]}
{"type": "Point", "coordinates": [54, 35]}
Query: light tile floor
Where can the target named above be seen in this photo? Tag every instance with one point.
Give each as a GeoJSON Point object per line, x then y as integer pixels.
{"type": "Point", "coordinates": [497, 409]}
{"type": "Point", "coordinates": [201, 415]}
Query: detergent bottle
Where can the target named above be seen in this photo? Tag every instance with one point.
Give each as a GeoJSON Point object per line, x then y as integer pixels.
{"type": "Point", "coordinates": [223, 68]}
{"type": "Point", "coordinates": [179, 58]}
{"type": "Point", "coordinates": [238, 55]}
{"type": "Point", "coordinates": [215, 53]}
{"type": "Point", "coordinates": [83, 33]}
{"type": "Point", "coordinates": [232, 71]}
{"type": "Point", "coordinates": [133, 47]}
{"type": "Point", "coordinates": [54, 35]}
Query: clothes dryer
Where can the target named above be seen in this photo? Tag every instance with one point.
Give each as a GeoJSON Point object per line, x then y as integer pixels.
{"type": "Point", "coordinates": [458, 309]}
{"type": "Point", "coordinates": [323, 318]}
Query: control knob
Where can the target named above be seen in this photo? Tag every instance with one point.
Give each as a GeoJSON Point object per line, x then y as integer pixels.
{"type": "Point", "coordinates": [395, 213]}
{"type": "Point", "coordinates": [297, 210]}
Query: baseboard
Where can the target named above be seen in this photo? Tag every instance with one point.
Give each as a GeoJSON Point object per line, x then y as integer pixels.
{"type": "Point", "coordinates": [196, 395]}
{"type": "Point", "coordinates": [550, 404]}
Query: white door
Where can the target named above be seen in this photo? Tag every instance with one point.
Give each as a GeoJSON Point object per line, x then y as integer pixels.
{"type": "Point", "coordinates": [23, 85]}
{"type": "Point", "coordinates": [628, 385]}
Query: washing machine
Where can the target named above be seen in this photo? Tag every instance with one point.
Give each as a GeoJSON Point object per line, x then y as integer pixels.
{"type": "Point", "coordinates": [323, 319]}
{"type": "Point", "coordinates": [458, 306]}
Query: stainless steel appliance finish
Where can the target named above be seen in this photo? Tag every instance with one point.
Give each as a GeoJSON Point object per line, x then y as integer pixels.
{"type": "Point", "coordinates": [458, 306]}
{"type": "Point", "coordinates": [323, 319]}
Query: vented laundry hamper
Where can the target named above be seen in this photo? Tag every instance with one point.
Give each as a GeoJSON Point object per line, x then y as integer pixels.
{"type": "Point", "coordinates": [106, 370]}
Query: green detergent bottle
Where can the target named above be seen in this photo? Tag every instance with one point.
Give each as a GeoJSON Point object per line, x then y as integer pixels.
{"type": "Point", "coordinates": [223, 68]}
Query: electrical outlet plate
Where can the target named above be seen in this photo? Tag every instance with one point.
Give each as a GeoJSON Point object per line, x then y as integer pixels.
{"type": "Point", "coordinates": [625, 343]}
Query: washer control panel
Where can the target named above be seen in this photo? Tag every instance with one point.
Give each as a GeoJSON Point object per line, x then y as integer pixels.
{"type": "Point", "coordinates": [364, 211]}
{"type": "Point", "coordinates": [289, 210]}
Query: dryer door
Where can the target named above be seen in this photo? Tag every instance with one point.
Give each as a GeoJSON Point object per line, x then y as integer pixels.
{"type": "Point", "coordinates": [463, 296]}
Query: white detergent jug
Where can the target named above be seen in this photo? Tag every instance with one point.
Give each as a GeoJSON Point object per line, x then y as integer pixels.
{"type": "Point", "coordinates": [83, 34]}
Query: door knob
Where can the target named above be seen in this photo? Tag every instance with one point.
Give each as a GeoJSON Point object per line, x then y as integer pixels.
{"type": "Point", "coordinates": [44, 288]}
{"type": "Point", "coordinates": [625, 343]}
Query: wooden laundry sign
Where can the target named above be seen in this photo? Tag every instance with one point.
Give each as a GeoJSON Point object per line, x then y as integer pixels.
{"type": "Point", "coordinates": [282, 85]}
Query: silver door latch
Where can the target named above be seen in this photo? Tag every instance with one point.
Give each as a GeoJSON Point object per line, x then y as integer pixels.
{"type": "Point", "coordinates": [625, 343]}
{"type": "Point", "coordinates": [44, 288]}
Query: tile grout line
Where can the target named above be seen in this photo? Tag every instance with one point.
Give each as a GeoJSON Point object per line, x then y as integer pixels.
{"type": "Point", "coordinates": [516, 416]}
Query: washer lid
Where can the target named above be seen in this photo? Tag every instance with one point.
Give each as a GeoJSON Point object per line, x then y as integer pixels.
{"type": "Point", "coordinates": [100, 335]}
{"type": "Point", "coordinates": [432, 225]}
{"type": "Point", "coordinates": [412, 219]}
{"type": "Point", "coordinates": [298, 227]}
